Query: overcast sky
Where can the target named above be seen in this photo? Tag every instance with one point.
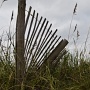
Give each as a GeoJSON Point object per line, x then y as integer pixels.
{"type": "Point", "coordinates": [58, 12]}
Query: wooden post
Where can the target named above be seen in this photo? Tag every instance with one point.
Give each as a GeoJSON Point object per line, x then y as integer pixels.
{"type": "Point", "coordinates": [20, 29]}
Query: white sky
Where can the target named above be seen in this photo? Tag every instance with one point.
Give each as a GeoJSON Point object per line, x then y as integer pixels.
{"type": "Point", "coordinates": [58, 12]}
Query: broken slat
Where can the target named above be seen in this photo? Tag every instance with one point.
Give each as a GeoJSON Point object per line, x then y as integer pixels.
{"type": "Point", "coordinates": [55, 52]}
{"type": "Point", "coordinates": [55, 63]}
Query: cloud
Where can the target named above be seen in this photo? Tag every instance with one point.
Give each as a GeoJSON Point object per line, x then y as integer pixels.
{"type": "Point", "coordinates": [58, 12]}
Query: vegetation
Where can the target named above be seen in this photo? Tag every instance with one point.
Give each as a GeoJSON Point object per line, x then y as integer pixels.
{"type": "Point", "coordinates": [71, 73]}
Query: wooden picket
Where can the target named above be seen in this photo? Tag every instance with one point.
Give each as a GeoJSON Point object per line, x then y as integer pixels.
{"type": "Point", "coordinates": [42, 44]}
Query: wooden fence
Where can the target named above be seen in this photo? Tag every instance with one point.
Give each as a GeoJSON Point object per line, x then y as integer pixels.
{"type": "Point", "coordinates": [41, 43]}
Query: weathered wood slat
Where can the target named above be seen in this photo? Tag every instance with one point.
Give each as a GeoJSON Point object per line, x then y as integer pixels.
{"type": "Point", "coordinates": [46, 45]}
{"type": "Point", "coordinates": [29, 29]}
{"type": "Point", "coordinates": [49, 49]}
{"type": "Point", "coordinates": [55, 53]}
{"type": "Point", "coordinates": [44, 39]}
{"type": "Point", "coordinates": [39, 42]}
{"type": "Point", "coordinates": [40, 48]}
{"type": "Point", "coordinates": [54, 44]}
{"type": "Point", "coordinates": [46, 36]}
{"type": "Point", "coordinates": [62, 53]}
{"type": "Point", "coordinates": [29, 46]}
{"type": "Point", "coordinates": [37, 36]}
{"type": "Point", "coordinates": [46, 51]}
{"type": "Point", "coordinates": [27, 19]}
{"type": "Point", "coordinates": [32, 36]}
{"type": "Point", "coordinates": [39, 32]}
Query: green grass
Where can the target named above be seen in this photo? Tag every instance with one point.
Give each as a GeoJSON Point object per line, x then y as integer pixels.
{"type": "Point", "coordinates": [71, 73]}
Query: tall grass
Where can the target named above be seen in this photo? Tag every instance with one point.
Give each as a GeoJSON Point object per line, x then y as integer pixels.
{"type": "Point", "coordinates": [71, 73]}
